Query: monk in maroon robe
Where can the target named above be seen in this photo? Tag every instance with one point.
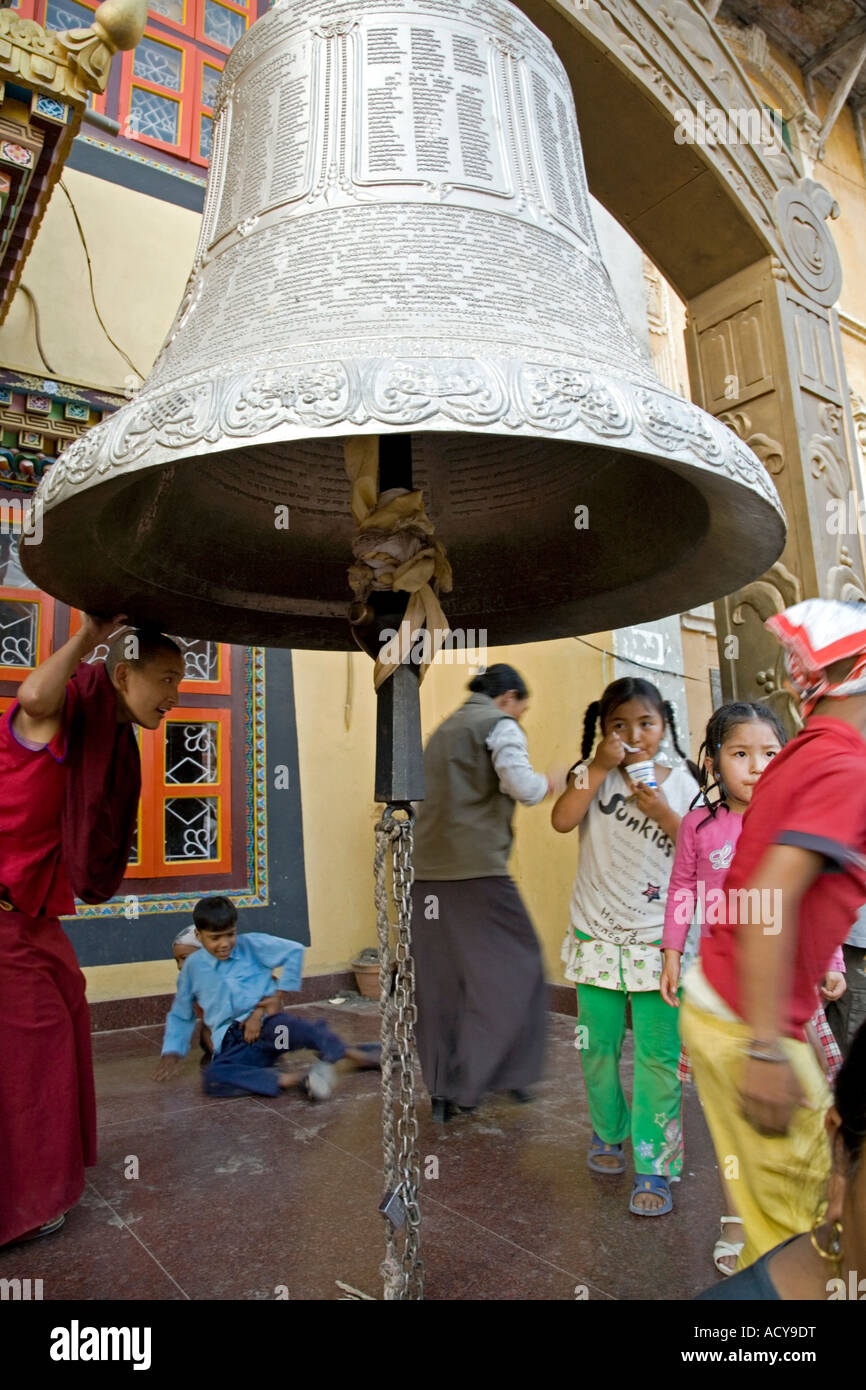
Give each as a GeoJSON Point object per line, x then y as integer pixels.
{"type": "Point", "coordinates": [69, 788]}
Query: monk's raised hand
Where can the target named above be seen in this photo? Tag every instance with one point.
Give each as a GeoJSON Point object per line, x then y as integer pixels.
{"type": "Point", "coordinates": [96, 630]}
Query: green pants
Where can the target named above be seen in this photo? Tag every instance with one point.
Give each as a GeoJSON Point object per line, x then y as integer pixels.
{"type": "Point", "coordinates": [655, 1121]}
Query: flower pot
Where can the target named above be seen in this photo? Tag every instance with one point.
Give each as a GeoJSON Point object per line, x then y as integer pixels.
{"type": "Point", "coordinates": [367, 978]}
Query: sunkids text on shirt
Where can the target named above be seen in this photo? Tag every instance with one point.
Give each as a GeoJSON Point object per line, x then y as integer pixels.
{"type": "Point", "coordinates": [618, 807]}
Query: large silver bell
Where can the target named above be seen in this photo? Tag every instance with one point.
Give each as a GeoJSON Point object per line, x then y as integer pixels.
{"type": "Point", "coordinates": [397, 241]}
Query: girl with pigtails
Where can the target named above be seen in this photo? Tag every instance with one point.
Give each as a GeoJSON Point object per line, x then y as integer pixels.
{"type": "Point", "coordinates": [741, 740]}
{"type": "Point", "coordinates": [612, 951]}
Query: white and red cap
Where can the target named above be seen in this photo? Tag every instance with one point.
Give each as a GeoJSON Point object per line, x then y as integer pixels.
{"type": "Point", "coordinates": [815, 634]}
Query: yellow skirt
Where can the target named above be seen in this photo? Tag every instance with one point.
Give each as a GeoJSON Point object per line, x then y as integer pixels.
{"type": "Point", "coordinates": [779, 1182]}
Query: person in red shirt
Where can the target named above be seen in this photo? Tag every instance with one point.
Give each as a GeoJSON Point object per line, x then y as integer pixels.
{"type": "Point", "coordinates": [796, 883]}
{"type": "Point", "coordinates": [69, 788]}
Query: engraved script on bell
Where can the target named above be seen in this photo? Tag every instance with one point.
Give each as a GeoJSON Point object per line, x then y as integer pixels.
{"type": "Point", "coordinates": [358, 126]}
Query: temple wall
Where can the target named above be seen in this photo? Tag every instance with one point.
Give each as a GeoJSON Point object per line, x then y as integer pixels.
{"type": "Point", "coordinates": [141, 249]}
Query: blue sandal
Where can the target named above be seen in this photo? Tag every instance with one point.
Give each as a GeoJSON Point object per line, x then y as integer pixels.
{"type": "Point", "coordinates": [660, 1187]}
{"type": "Point", "coordinates": [599, 1149]}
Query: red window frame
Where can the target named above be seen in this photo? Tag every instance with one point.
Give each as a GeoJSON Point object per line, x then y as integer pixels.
{"type": "Point", "coordinates": [223, 683]}
{"type": "Point", "coordinates": [195, 59]}
{"type": "Point", "coordinates": [236, 5]}
{"type": "Point", "coordinates": [181, 98]}
{"type": "Point", "coordinates": [155, 791]}
{"type": "Point", "coordinates": [37, 11]}
{"type": "Point", "coordinates": [201, 108]}
{"type": "Point", "coordinates": [209, 702]}
{"type": "Point", "coordinates": [44, 631]}
{"type": "Point", "coordinates": [198, 50]}
{"type": "Point", "coordinates": [186, 25]}
{"type": "Point", "coordinates": [192, 24]}
{"type": "Point", "coordinates": [151, 862]}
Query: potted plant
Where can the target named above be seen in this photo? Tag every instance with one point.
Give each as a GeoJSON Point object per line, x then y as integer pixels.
{"type": "Point", "coordinates": [366, 968]}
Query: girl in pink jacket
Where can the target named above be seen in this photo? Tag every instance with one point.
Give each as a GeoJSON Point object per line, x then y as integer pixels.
{"type": "Point", "coordinates": [741, 739]}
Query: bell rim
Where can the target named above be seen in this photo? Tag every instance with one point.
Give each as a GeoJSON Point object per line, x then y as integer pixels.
{"type": "Point", "coordinates": [594, 409]}
{"type": "Point", "coordinates": [705, 570]}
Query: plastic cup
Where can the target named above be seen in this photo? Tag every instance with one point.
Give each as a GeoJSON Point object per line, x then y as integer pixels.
{"type": "Point", "coordinates": [643, 772]}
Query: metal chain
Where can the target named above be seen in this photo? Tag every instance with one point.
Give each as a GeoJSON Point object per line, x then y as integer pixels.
{"type": "Point", "coordinates": [409, 1166]}
{"type": "Point", "coordinates": [402, 1269]}
{"type": "Point", "coordinates": [390, 1270]}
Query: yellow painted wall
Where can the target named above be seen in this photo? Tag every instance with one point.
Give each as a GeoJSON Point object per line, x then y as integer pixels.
{"type": "Point", "coordinates": [336, 768]}
{"type": "Point", "coordinates": [145, 977]}
{"type": "Point", "coordinates": [141, 250]}
{"type": "Point", "coordinates": [841, 172]}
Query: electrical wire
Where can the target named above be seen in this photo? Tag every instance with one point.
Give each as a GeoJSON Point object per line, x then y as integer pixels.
{"type": "Point", "coordinates": [644, 666]}
{"type": "Point", "coordinates": [36, 328]}
{"type": "Point", "coordinates": [115, 345]}
{"type": "Point", "coordinates": [350, 690]}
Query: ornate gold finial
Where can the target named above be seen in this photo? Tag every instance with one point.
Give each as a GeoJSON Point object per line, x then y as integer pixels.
{"type": "Point", "coordinates": [117, 24]}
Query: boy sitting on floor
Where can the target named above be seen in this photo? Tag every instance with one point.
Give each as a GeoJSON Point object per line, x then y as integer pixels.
{"type": "Point", "coordinates": [184, 944]}
{"type": "Point", "coordinates": [231, 979]}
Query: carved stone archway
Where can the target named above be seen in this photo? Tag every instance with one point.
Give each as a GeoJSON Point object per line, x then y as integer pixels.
{"type": "Point", "coordinates": [743, 238]}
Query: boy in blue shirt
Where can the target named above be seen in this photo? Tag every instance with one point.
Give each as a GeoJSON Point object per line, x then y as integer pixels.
{"type": "Point", "coordinates": [231, 979]}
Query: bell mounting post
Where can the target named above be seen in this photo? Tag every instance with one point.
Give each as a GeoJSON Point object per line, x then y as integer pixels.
{"type": "Point", "coordinates": [399, 767]}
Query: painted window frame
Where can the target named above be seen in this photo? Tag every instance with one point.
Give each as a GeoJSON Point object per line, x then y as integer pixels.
{"type": "Point", "coordinates": [198, 50]}
{"type": "Point", "coordinates": [151, 862]}
{"type": "Point", "coordinates": [44, 629]}
{"type": "Point", "coordinates": [37, 10]}
{"type": "Point", "coordinates": [223, 683]}
{"type": "Point", "coordinates": [185, 27]}
{"type": "Point", "coordinates": [156, 791]}
{"type": "Point", "coordinates": [201, 109]}
{"type": "Point", "coordinates": [238, 6]}
{"type": "Point", "coordinates": [181, 97]}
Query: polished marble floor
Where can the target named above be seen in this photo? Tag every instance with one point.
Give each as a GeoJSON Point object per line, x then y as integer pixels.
{"type": "Point", "coordinates": [255, 1199]}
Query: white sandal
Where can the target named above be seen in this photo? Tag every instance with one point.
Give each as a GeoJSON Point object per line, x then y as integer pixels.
{"type": "Point", "coordinates": [724, 1247]}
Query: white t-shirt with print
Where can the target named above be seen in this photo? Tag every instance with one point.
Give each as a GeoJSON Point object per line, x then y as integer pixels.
{"type": "Point", "coordinates": [620, 890]}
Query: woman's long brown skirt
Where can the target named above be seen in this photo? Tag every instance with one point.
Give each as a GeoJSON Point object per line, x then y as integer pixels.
{"type": "Point", "coordinates": [480, 989]}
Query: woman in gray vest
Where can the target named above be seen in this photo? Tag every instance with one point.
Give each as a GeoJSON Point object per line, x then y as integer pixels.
{"type": "Point", "coordinates": [480, 979]}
